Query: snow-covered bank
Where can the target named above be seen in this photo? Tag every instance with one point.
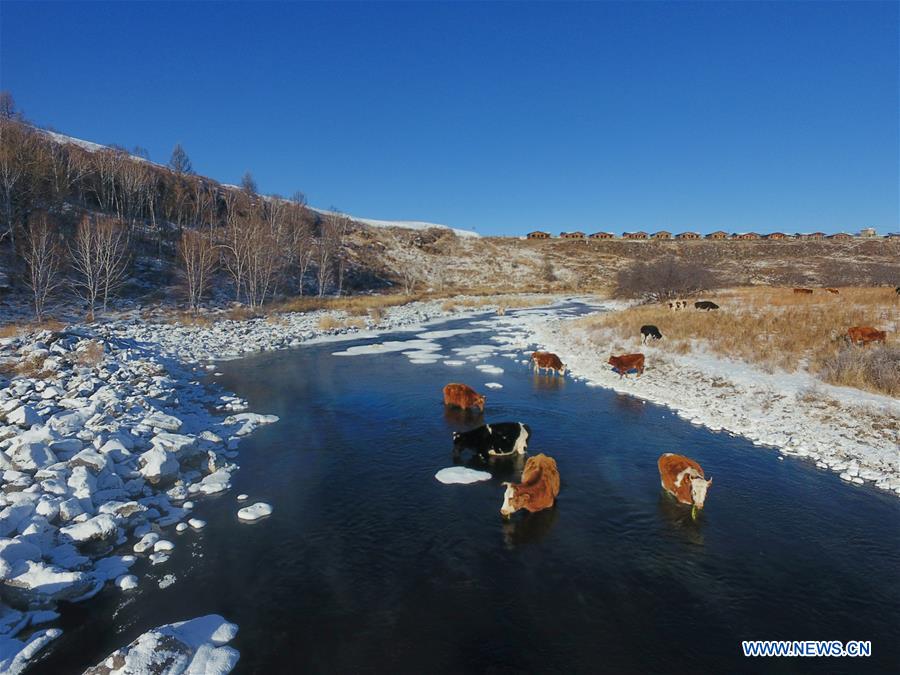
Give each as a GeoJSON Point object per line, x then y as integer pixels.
{"type": "Point", "coordinates": [851, 432]}
{"type": "Point", "coordinates": [102, 444]}
{"type": "Point", "coordinates": [230, 339]}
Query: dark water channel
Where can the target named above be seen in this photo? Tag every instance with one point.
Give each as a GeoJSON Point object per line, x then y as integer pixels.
{"type": "Point", "coordinates": [369, 565]}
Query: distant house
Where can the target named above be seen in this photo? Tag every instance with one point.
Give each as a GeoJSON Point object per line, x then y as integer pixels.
{"type": "Point", "coordinates": [745, 235]}
{"type": "Point", "coordinates": [662, 234]}
{"type": "Point", "coordinates": [572, 235]}
{"type": "Point", "coordinates": [718, 234]}
{"type": "Point", "coordinates": [868, 232]}
{"type": "Point", "coordinates": [810, 235]}
{"type": "Point", "coordinates": [537, 234]}
{"type": "Point", "coordinates": [634, 235]}
{"type": "Point", "coordinates": [840, 236]}
{"type": "Point", "coordinates": [777, 235]}
{"type": "Point", "coordinates": [602, 235]}
{"type": "Point", "coordinates": [687, 235]}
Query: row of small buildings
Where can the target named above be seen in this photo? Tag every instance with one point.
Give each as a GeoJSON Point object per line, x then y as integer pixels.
{"type": "Point", "coordinates": [867, 233]}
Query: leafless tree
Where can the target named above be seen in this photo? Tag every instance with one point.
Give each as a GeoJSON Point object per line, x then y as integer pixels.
{"type": "Point", "coordinates": [99, 254]}
{"type": "Point", "coordinates": [179, 162]}
{"type": "Point", "coordinates": [198, 256]}
{"type": "Point", "coordinates": [235, 244]}
{"type": "Point", "coordinates": [16, 156]}
{"type": "Point", "coordinates": [42, 253]}
{"type": "Point", "coordinates": [407, 258]}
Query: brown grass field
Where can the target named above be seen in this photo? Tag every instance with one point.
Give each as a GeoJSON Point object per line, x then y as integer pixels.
{"type": "Point", "coordinates": [776, 328]}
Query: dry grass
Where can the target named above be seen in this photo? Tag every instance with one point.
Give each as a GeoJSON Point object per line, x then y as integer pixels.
{"type": "Point", "coordinates": [776, 328]}
{"type": "Point", "coordinates": [190, 319]}
{"type": "Point", "coordinates": [14, 329]}
{"type": "Point", "coordinates": [329, 322]}
{"type": "Point", "coordinates": [376, 315]}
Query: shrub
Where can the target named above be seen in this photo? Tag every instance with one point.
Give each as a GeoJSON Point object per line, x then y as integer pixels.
{"type": "Point", "coordinates": [663, 279]}
{"type": "Point", "coordinates": [876, 368]}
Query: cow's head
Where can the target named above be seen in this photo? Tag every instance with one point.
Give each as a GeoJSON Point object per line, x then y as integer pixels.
{"type": "Point", "coordinates": [479, 401]}
{"type": "Point", "coordinates": [615, 363]}
{"type": "Point", "coordinates": [513, 500]}
{"type": "Point", "coordinates": [699, 486]}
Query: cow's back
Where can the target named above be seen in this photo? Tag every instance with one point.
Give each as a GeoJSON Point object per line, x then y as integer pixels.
{"type": "Point", "coordinates": [461, 395]}
{"type": "Point", "coordinates": [541, 479]}
{"type": "Point", "coordinates": [671, 466]}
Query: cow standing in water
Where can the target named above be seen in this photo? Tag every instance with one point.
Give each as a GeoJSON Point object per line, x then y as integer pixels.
{"type": "Point", "coordinates": [683, 478]}
{"type": "Point", "coordinates": [463, 396]}
{"type": "Point", "coordinates": [500, 439]}
{"type": "Point", "coordinates": [538, 489]}
{"type": "Point", "coordinates": [548, 361]}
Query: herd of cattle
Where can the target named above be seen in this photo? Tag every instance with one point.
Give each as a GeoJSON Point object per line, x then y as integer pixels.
{"type": "Point", "coordinates": [680, 476]}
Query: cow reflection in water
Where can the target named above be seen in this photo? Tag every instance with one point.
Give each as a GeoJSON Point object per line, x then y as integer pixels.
{"type": "Point", "coordinates": [547, 382]}
{"type": "Point", "coordinates": [629, 404]}
{"type": "Point", "coordinates": [531, 528]}
{"type": "Point", "coordinates": [463, 419]}
{"type": "Point", "coordinates": [678, 520]}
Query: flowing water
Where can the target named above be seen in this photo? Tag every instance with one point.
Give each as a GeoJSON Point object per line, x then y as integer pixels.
{"type": "Point", "coordinates": [368, 564]}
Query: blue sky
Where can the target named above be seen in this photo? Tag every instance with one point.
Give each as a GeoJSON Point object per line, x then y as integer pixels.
{"type": "Point", "coordinates": [499, 117]}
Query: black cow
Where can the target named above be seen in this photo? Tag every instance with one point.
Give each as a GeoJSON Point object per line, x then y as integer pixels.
{"type": "Point", "coordinates": [650, 331]}
{"type": "Point", "coordinates": [494, 440]}
{"type": "Point", "coordinates": [706, 304]}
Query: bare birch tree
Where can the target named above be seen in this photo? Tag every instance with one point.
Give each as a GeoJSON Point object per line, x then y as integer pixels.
{"type": "Point", "coordinates": [42, 253]}
{"type": "Point", "coordinates": [99, 254]}
{"type": "Point", "coordinates": [198, 256]}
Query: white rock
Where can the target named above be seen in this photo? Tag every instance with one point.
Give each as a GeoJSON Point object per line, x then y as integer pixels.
{"type": "Point", "coordinates": [493, 385]}
{"type": "Point", "coordinates": [197, 523]}
{"type": "Point", "coordinates": [461, 475]}
{"type": "Point", "coordinates": [181, 527]}
{"type": "Point", "coordinates": [194, 645]}
{"type": "Point", "coordinates": [42, 583]}
{"type": "Point", "coordinates": [31, 456]}
{"type": "Point", "coordinates": [242, 497]}
{"type": "Point", "coordinates": [101, 526]}
{"type": "Point", "coordinates": [167, 581]}
{"type": "Point", "coordinates": [160, 420]}
{"type": "Point", "coordinates": [158, 465]}
{"type": "Point", "coordinates": [24, 416]}
{"type": "Point", "coordinates": [92, 459]}
{"type": "Point", "coordinates": [254, 511]}
{"type": "Point", "coordinates": [146, 542]}
{"type": "Point", "coordinates": [15, 654]}
{"type": "Point", "coordinates": [163, 546]}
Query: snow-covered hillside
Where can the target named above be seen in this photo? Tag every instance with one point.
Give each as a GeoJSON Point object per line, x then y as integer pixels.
{"type": "Point", "coordinates": [407, 224]}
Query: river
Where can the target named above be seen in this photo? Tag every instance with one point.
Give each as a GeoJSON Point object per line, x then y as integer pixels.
{"type": "Point", "coordinates": [368, 564]}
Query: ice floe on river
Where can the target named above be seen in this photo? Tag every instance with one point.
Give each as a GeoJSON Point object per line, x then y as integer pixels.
{"type": "Point", "coordinates": [461, 475]}
{"type": "Point", "coordinates": [254, 512]}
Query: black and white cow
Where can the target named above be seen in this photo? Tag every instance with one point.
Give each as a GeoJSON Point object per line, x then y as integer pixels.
{"type": "Point", "coordinates": [494, 440]}
{"type": "Point", "coordinates": [650, 331]}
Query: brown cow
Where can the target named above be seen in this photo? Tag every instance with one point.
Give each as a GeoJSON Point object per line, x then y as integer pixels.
{"type": "Point", "coordinates": [538, 489]}
{"type": "Point", "coordinates": [833, 291]}
{"type": "Point", "coordinates": [863, 335]}
{"type": "Point", "coordinates": [463, 396]}
{"type": "Point", "coordinates": [548, 361]}
{"type": "Point", "coordinates": [683, 478]}
{"type": "Point", "coordinates": [622, 364]}
{"type": "Point", "coordinates": [803, 290]}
